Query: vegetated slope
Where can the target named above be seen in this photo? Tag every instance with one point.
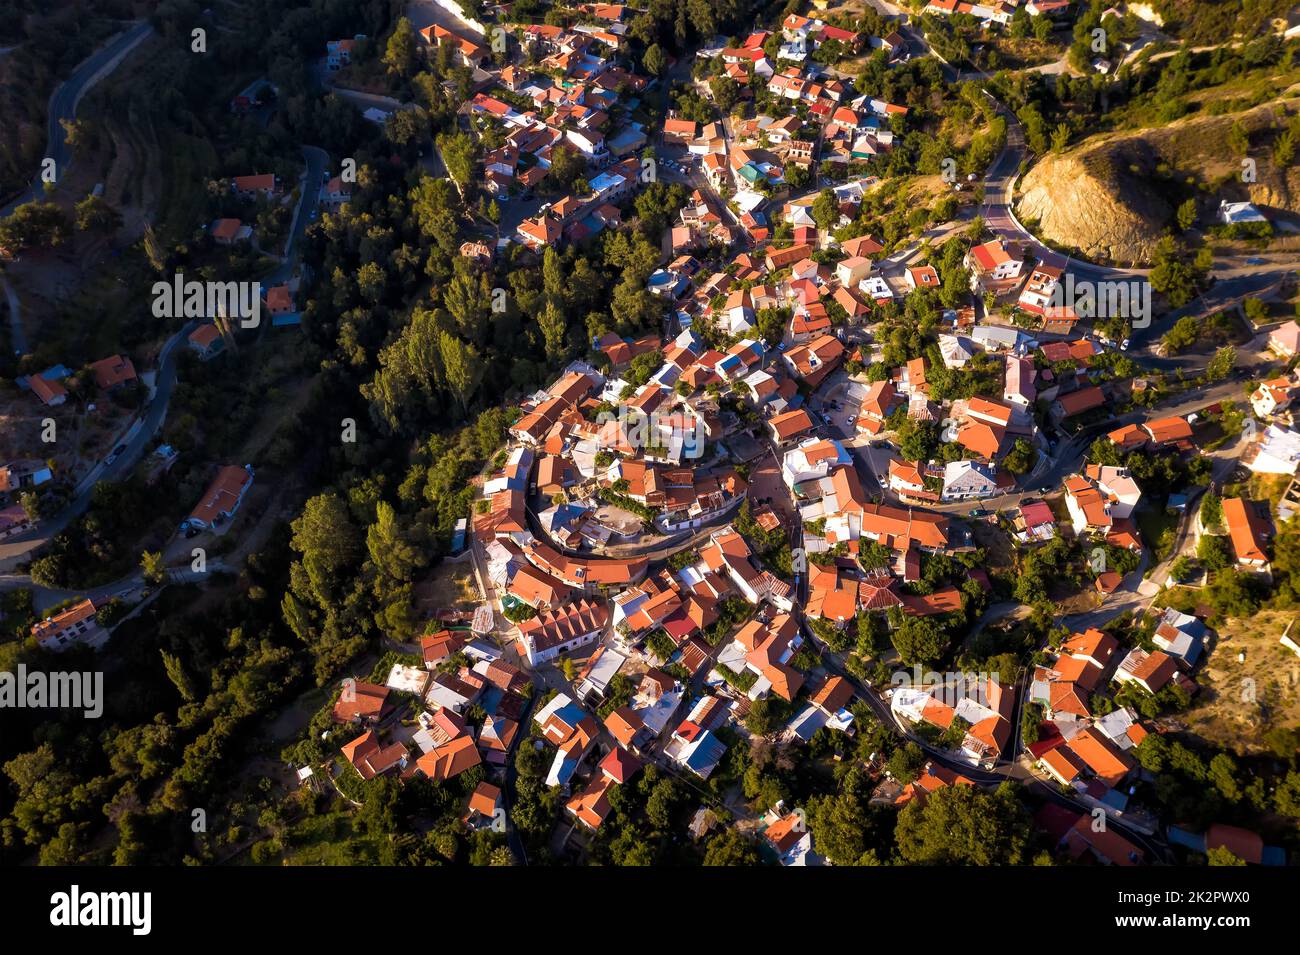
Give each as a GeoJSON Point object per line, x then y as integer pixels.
{"type": "Point", "coordinates": [45, 41]}
{"type": "Point", "coordinates": [1111, 197]}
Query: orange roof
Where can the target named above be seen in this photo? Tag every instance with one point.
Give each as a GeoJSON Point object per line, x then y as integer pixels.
{"type": "Point", "coordinates": [786, 832]}
{"type": "Point", "coordinates": [1247, 528]}
{"type": "Point", "coordinates": [112, 371]}
{"type": "Point", "coordinates": [485, 799]}
{"type": "Point", "coordinates": [48, 391]}
{"type": "Point", "coordinates": [450, 759]}
{"type": "Point", "coordinates": [266, 181]}
{"type": "Point", "coordinates": [66, 618]}
{"type": "Point", "coordinates": [1164, 430]}
{"type": "Point", "coordinates": [591, 806]}
{"type": "Point", "coordinates": [222, 495]}
{"type": "Point", "coordinates": [204, 335]}
{"type": "Point", "coordinates": [624, 724]}
{"type": "Point", "coordinates": [226, 228]}
{"type": "Point", "coordinates": [1108, 763]}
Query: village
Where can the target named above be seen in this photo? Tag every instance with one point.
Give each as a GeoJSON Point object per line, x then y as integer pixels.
{"type": "Point", "coordinates": [783, 519]}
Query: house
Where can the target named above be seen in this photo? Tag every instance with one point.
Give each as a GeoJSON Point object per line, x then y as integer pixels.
{"type": "Point", "coordinates": [206, 341]}
{"type": "Point", "coordinates": [1019, 382]}
{"type": "Point", "coordinates": [967, 480]}
{"type": "Point", "coordinates": [1274, 396]}
{"type": "Point", "coordinates": [23, 474]}
{"type": "Point", "coordinates": [1105, 845]}
{"type": "Point", "coordinates": [454, 691]}
{"type": "Point", "coordinates": [253, 187]}
{"type": "Point", "coordinates": [1036, 296]}
{"type": "Point", "coordinates": [338, 54]}
{"type": "Point", "coordinates": [813, 361]}
{"type": "Point", "coordinates": [222, 498]}
{"type": "Point", "coordinates": [1077, 402]}
{"type": "Point", "coordinates": [790, 837]}
{"type": "Point", "coordinates": [359, 702]}
{"type": "Point", "coordinates": [77, 624]}
{"type": "Point", "coordinates": [450, 759]}
{"type": "Point", "coordinates": [51, 393]}
{"type": "Point", "coordinates": [955, 351]}
{"type": "Point", "coordinates": [558, 630]}
{"type": "Point", "coordinates": [1173, 430]}
{"type": "Point", "coordinates": [370, 758]}
{"type": "Point", "coordinates": [1239, 213]}
{"type": "Point", "coordinates": [852, 270]}
{"type": "Point", "coordinates": [279, 300]}
{"type": "Point", "coordinates": [627, 727]}
{"type": "Point", "coordinates": [229, 231]}
{"type": "Point", "coordinates": [335, 193]}
{"type": "Point", "coordinates": [539, 232]}
{"type": "Point", "coordinates": [1249, 530]}
{"type": "Point", "coordinates": [485, 803]}
{"type": "Point", "coordinates": [1151, 671]}
{"type": "Point", "coordinates": [694, 748]}
{"type": "Point", "coordinates": [1180, 635]}
{"type": "Point", "coordinates": [923, 276]}
{"type": "Point", "coordinates": [113, 372]}
{"type": "Point", "coordinates": [789, 426]}
{"type": "Point", "coordinates": [1276, 451]}
{"type": "Point", "coordinates": [1285, 339]}
{"type": "Point", "coordinates": [992, 265]}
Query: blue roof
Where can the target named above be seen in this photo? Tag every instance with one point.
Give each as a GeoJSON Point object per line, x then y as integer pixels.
{"type": "Point", "coordinates": [286, 318]}
{"type": "Point", "coordinates": [706, 754]}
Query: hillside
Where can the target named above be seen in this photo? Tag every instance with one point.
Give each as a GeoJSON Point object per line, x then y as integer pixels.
{"type": "Point", "coordinates": [1111, 197]}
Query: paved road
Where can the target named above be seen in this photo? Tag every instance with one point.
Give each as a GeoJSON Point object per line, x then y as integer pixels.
{"type": "Point", "coordinates": [317, 160]}
{"type": "Point", "coordinates": [15, 549]}
{"type": "Point", "coordinates": [63, 104]}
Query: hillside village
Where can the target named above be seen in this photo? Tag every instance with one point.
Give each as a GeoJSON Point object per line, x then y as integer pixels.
{"type": "Point", "coordinates": [866, 512]}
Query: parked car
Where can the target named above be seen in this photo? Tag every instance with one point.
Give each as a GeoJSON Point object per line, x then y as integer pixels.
{"type": "Point", "coordinates": [1123, 346]}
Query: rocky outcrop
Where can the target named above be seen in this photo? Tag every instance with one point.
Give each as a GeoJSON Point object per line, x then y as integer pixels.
{"type": "Point", "coordinates": [1096, 201]}
{"type": "Point", "coordinates": [1112, 197]}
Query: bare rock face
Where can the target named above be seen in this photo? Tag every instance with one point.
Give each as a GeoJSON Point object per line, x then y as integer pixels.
{"type": "Point", "coordinates": [1097, 201]}
{"type": "Point", "coordinates": [1111, 198]}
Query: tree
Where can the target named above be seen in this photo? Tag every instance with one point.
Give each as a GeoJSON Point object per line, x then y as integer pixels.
{"type": "Point", "coordinates": [458, 153]}
{"type": "Point", "coordinates": [1060, 138]}
{"type": "Point", "coordinates": [96, 215]}
{"type": "Point", "coordinates": [964, 825]}
{"type": "Point", "coordinates": [35, 225]}
{"type": "Point", "coordinates": [461, 365]}
{"type": "Point", "coordinates": [180, 679]}
{"type": "Point", "coordinates": [1021, 457]}
{"type": "Point", "coordinates": [1182, 335]}
{"type": "Point", "coordinates": [1238, 138]}
{"type": "Point", "coordinates": [1187, 215]}
{"type": "Point", "coordinates": [1220, 366]}
{"type": "Point", "coordinates": [826, 209]}
{"type": "Point", "coordinates": [1213, 552]}
{"type": "Point", "coordinates": [1222, 856]}
{"type": "Point", "coordinates": [554, 331]}
{"type": "Point", "coordinates": [654, 61]}
{"type": "Point", "coordinates": [155, 571]}
{"type": "Point", "coordinates": [919, 640]}
{"type": "Point", "coordinates": [729, 847]}
{"type": "Point", "coordinates": [399, 54]}
{"type": "Point", "coordinates": [906, 762]}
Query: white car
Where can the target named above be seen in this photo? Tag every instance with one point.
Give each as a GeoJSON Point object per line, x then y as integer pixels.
{"type": "Point", "coordinates": [1123, 346]}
